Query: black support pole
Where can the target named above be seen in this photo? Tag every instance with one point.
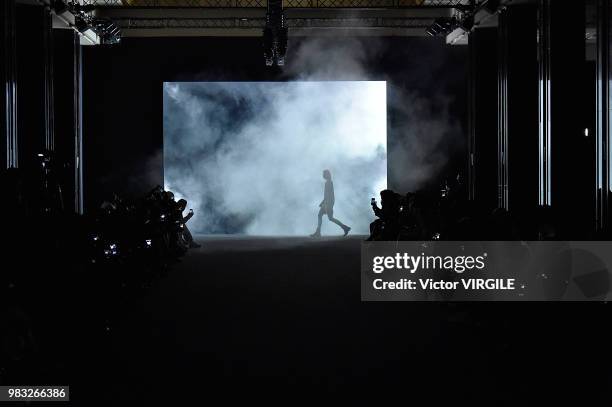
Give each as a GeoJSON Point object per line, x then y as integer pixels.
{"type": "Point", "coordinates": [9, 45]}
{"type": "Point", "coordinates": [49, 97]}
{"type": "Point", "coordinates": [472, 84]}
{"type": "Point", "coordinates": [78, 119]}
{"type": "Point", "coordinates": [603, 118]}
{"type": "Point", "coordinates": [564, 153]}
{"type": "Point", "coordinates": [502, 111]}
{"type": "Point", "coordinates": [544, 105]}
{"type": "Point", "coordinates": [482, 138]}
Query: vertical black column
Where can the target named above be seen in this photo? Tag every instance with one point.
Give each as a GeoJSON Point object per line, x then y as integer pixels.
{"type": "Point", "coordinates": [502, 110]}
{"type": "Point", "coordinates": [521, 148]}
{"type": "Point", "coordinates": [64, 112]}
{"type": "Point", "coordinates": [483, 118]}
{"type": "Point", "coordinates": [544, 105]}
{"type": "Point", "coordinates": [471, 143]}
{"type": "Point", "coordinates": [570, 152]}
{"type": "Point", "coordinates": [48, 64]}
{"type": "Point", "coordinates": [517, 170]}
{"type": "Point", "coordinates": [9, 80]}
{"type": "Point", "coordinates": [31, 126]}
{"type": "Point", "coordinates": [603, 117]}
{"type": "Point", "coordinates": [565, 154]}
{"type": "Point", "coordinates": [78, 119]}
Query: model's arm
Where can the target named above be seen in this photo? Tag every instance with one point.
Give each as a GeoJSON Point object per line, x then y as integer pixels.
{"type": "Point", "coordinates": [189, 215]}
{"type": "Point", "coordinates": [324, 196]}
{"type": "Point", "coordinates": [377, 210]}
{"type": "Point", "coordinates": [328, 196]}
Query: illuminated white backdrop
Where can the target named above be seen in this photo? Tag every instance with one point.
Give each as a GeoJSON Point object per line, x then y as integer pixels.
{"type": "Point", "coordinates": [248, 156]}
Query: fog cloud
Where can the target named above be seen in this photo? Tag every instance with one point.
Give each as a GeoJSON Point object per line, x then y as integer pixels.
{"type": "Point", "coordinates": [248, 156]}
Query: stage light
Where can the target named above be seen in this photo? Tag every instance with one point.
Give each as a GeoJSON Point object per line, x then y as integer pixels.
{"type": "Point", "coordinates": [442, 26]}
{"type": "Point", "coordinates": [275, 34]}
{"type": "Point", "coordinates": [107, 30]}
{"type": "Point", "coordinates": [282, 46]}
{"type": "Point", "coordinates": [112, 250]}
{"type": "Point", "coordinates": [268, 46]}
{"type": "Point", "coordinates": [95, 30]}
{"type": "Point", "coordinates": [83, 8]}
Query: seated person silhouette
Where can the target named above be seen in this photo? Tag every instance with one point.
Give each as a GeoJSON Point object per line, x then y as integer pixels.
{"type": "Point", "coordinates": [187, 236]}
{"type": "Point", "coordinates": [326, 207]}
{"type": "Point", "coordinates": [386, 227]}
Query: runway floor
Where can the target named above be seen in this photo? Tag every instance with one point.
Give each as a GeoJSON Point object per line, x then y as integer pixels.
{"type": "Point", "coordinates": [280, 319]}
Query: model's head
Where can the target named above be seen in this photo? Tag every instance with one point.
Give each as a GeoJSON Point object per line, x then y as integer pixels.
{"type": "Point", "coordinates": [181, 204]}
{"type": "Point", "coordinates": [327, 175]}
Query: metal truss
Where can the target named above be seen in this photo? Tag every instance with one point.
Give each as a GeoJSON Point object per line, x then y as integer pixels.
{"type": "Point", "coordinates": [264, 3]}
{"type": "Point", "coordinates": [245, 17]}
{"type": "Point", "coordinates": [375, 22]}
{"type": "Point", "coordinates": [159, 23]}
{"type": "Point", "coordinates": [367, 22]}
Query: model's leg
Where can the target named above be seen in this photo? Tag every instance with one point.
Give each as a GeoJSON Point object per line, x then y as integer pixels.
{"type": "Point", "coordinates": [330, 216]}
{"type": "Point", "coordinates": [320, 220]}
{"type": "Point", "coordinates": [337, 222]}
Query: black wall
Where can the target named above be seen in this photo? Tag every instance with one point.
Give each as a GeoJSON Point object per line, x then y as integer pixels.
{"type": "Point", "coordinates": [63, 81]}
{"type": "Point", "coordinates": [122, 85]}
{"type": "Point", "coordinates": [573, 110]}
{"type": "Point", "coordinates": [30, 83]}
{"type": "Point", "coordinates": [523, 118]}
{"type": "Point", "coordinates": [483, 60]}
{"type": "Point", "coordinates": [30, 56]}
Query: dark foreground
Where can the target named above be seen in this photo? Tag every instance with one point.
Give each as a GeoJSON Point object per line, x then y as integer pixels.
{"type": "Point", "coordinates": [279, 320]}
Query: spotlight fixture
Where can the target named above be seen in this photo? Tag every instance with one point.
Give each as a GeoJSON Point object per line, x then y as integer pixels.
{"type": "Point", "coordinates": [94, 30]}
{"type": "Point", "coordinates": [442, 26]}
{"type": "Point", "coordinates": [84, 8]}
{"type": "Point", "coordinates": [463, 20]}
{"type": "Point", "coordinates": [275, 34]}
{"type": "Point", "coordinates": [107, 30]}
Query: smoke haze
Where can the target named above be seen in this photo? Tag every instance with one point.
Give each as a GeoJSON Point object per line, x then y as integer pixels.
{"type": "Point", "coordinates": [424, 80]}
{"type": "Point", "coordinates": [248, 156]}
